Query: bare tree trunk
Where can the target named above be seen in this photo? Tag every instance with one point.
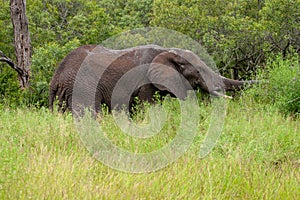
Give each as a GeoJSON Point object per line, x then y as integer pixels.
{"type": "Point", "coordinates": [22, 41]}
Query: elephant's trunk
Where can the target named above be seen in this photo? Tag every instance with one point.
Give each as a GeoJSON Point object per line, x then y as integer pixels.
{"type": "Point", "coordinates": [231, 85]}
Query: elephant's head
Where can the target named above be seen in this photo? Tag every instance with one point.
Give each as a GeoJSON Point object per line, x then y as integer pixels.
{"type": "Point", "coordinates": [171, 72]}
{"type": "Point", "coordinates": [177, 71]}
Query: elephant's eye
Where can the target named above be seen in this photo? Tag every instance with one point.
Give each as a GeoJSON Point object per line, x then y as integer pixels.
{"type": "Point", "coordinates": [181, 66]}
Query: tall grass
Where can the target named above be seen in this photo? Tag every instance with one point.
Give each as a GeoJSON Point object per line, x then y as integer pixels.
{"type": "Point", "coordinates": [257, 157]}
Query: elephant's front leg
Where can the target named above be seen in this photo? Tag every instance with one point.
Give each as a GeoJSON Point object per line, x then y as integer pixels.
{"type": "Point", "coordinates": [146, 93]}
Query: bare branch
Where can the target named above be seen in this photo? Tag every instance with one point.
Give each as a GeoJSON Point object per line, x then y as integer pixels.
{"type": "Point", "coordinates": [4, 58]}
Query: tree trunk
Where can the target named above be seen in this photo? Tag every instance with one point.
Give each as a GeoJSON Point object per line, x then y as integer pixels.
{"type": "Point", "coordinates": [22, 40]}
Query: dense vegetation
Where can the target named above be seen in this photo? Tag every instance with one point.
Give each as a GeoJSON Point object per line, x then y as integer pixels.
{"type": "Point", "coordinates": [258, 154]}
{"type": "Point", "coordinates": [243, 37]}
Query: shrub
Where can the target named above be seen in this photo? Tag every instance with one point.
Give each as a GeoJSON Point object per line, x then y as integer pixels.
{"type": "Point", "coordinates": [10, 92]}
{"type": "Point", "coordinates": [282, 88]}
{"type": "Point", "coordinates": [45, 60]}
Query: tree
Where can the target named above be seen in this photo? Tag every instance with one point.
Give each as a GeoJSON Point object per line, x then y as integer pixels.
{"type": "Point", "coordinates": [239, 34]}
{"type": "Point", "coordinates": [62, 21]}
{"type": "Point", "coordinates": [21, 41]}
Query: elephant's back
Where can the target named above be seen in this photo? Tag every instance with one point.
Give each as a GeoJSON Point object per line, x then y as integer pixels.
{"type": "Point", "coordinates": [129, 65]}
{"type": "Point", "coordinates": [70, 65]}
{"type": "Point", "coordinates": [75, 58]}
{"type": "Point", "coordinates": [64, 75]}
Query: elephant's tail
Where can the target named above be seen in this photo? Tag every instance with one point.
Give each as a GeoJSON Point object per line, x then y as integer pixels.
{"type": "Point", "coordinates": [52, 95]}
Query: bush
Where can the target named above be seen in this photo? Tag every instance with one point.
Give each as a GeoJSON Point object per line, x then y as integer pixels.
{"type": "Point", "coordinates": [10, 92]}
{"type": "Point", "coordinates": [238, 34]}
{"type": "Point", "coordinates": [283, 86]}
{"type": "Point", "coordinates": [45, 60]}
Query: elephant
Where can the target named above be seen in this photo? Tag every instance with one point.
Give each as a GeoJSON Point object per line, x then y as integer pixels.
{"type": "Point", "coordinates": [117, 77]}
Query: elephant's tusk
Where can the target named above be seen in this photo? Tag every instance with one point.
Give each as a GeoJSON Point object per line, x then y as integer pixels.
{"type": "Point", "coordinates": [221, 95]}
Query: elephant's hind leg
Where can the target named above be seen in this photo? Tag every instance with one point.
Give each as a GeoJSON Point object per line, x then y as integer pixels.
{"type": "Point", "coordinates": [62, 100]}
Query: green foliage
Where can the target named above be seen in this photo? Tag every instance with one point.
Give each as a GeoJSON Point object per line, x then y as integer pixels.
{"type": "Point", "coordinates": [6, 30]}
{"type": "Point", "coordinates": [44, 62]}
{"type": "Point", "coordinates": [282, 88]}
{"type": "Point", "coordinates": [238, 34]}
{"type": "Point", "coordinates": [9, 86]}
{"type": "Point", "coordinates": [126, 15]}
{"type": "Point", "coordinates": [61, 21]}
{"type": "Point", "coordinates": [280, 20]}
{"type": "Point", "coordinates": [10, 92]}
{"type": "Point", "coordinates": [41, 156]}
{"type": "Point", "coordinates": [227, 29]}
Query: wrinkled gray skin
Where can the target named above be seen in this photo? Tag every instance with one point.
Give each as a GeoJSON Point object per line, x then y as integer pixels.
{"type": "Point", "coordinates": [160, 70]}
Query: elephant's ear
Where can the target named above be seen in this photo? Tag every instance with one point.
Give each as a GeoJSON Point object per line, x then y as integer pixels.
{"type": "Point", "coordinates": [164, 73]}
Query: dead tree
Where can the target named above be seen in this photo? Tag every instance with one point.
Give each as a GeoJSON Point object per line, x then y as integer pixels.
{"type": "Point", "coordinates": [21, 42]}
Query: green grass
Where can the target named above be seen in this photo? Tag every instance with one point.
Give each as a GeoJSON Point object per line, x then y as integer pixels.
{"type": "Point", "coordinates": [257, 157]}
